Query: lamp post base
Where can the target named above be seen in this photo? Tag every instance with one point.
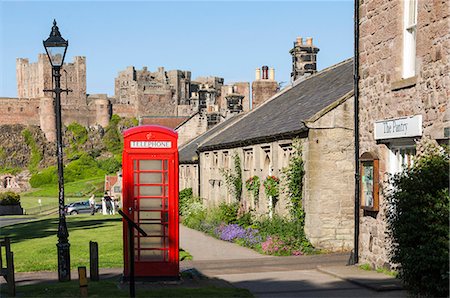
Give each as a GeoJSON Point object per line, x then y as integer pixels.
{"type": "Point", "coordinates": [63, 261]}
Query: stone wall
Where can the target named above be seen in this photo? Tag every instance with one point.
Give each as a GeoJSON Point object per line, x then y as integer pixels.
{"type": "Point", "coordinates": [329, 179]}
{"type": "Point", "coordinates": [189, 177]}
{"type": "Point", "coordinates": [195, 126]}
{"type": "Point", "coordinates": [19, 111]}
{"type": "Point", "coordinates": [385, 95]}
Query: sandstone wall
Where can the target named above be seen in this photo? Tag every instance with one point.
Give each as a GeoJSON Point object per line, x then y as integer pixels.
{"type": "Point", "coordinates": [19, 111]}
{"type": "Point", "coordinates": [329, 179]}
{"type": "Point", "coordinates": [385, 95]}
{"type": "Point", "coordinates": [191, 129]}
{"type": "Point", "coordinates": [189, 177]}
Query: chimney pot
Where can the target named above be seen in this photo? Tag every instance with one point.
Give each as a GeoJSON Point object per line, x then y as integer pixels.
{"type": "Point", "coordinates": [272, 74]}
{"type": "Point", "coordinates": [265, 70]}
{"type": "Point", "coordinates": [258, 74]}
{"type": "Point", "coordinates": [299, 41]}
{"type": "Point", "coordinates": [309, 41]}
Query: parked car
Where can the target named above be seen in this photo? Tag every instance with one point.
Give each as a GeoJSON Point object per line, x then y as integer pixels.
{"type": "Point", "coordinates": [81, 207]}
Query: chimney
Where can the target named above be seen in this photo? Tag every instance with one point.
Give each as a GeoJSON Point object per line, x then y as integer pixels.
{"type": "Point", "coordinates": [272, 74]}
{"type": "Point", "coordinates": [304, 58]}
{"type": "Point", "coordinates": [258, 74]}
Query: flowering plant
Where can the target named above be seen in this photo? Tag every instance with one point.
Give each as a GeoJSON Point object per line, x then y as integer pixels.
{"type": "Point", "coordinates": [271, 186]}
{"type": "Point", "coordinates": [233, 232]}
{"type": "Point", "coordinates": [252, 184]}
{"type": "Point", "coordinates": [274, 246]}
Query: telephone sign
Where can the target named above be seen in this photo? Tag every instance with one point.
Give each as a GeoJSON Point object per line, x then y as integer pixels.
{"type": "Point", "coordinates": [150, 199]}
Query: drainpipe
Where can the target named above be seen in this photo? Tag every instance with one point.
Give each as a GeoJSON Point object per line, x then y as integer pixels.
{"type": "Point", "coordinates": [356, 118]}
{"type": "Point", "coordinates": [198, 172]}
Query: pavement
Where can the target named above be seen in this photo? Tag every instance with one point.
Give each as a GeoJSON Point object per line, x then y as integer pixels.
{"type": "Point", "coordinates": [323, 275]}
{"type": "Point", "coordinates": [7, 221]}
{"type": "Point", "coordinates": [224, 263]}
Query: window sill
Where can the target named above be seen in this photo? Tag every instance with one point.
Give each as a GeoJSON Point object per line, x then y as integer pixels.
{"type": "Point", "coordinates": [371, 209]}
{"type": "Point", "coordinates": [404, 83]}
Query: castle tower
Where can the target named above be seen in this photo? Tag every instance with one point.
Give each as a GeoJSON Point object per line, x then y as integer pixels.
{"type": "Point", "coordinates": [264, 85]}
{"type": "Point", "coordinates": [102, 111]}
{"type": "Point", "coordinates": [47, 118]}
{"type": "Point", "coordinates": [304, 58]}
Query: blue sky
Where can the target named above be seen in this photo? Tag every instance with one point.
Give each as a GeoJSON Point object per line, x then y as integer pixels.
{"type": "Point", "coordinates": [228, 39]}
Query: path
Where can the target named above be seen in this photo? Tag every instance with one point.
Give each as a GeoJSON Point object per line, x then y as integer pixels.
{"type": "Point", "coordinates": [7, 221]}
{"type": "Point", "coordinates": [204, 247]}
{"type": "Point", "coordinates": [323, 275]}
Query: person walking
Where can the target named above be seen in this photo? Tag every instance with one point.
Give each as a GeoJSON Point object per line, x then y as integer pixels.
{"type": "Point", "coordinates": [108, 203]}
{"type": "Point", "coordinates": [92, 204]}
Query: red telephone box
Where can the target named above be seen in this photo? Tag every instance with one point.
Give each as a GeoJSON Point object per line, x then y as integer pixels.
{"type": "Point", "coordinates": [150, 199]}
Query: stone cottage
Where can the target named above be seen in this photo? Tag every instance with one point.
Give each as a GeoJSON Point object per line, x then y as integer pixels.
{"type": "Point", "coordinates": [403, 101]}
{"type": "Point", "coordinates": [317, 110]}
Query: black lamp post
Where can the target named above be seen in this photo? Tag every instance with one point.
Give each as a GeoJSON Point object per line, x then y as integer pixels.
{"type": "Point", "coordinates": [56, 47]}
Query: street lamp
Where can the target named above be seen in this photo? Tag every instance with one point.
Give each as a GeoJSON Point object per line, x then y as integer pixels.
{"type": "Point", "coordinates": [56, 48]}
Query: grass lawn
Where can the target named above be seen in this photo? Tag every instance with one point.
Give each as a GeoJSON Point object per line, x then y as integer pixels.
{"type": "Point", "coordinates": [110, 288]}
{"type": "Point", "coordinates": [48, 195]}
{"type": "Point", "coordinates": [34, 242]}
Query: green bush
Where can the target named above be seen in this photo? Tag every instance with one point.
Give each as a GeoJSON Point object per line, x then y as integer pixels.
{"type": "Point", "coordinates": [79, 132]}
{"type": "Point", "coordinates": [289, 231]}
{"type": "Point", "coordinates": [109, 165]}
{"type": "Point", "coordinates": [36, 154]}
{"type": "Point", "coordinates": [227, 213]}
{"type": "Point", "coordinates": [9, 198]}
{"type": "Point", "coordinates": [82, 168]}
{"type": "Point", "coordinates": [185, 198]}
{"type": "Point", "coordinates": [418, 222]}
{"type": "Point", "coordinates": [46, 176]}
{"type": "Point", "coordinates": [113, 139]}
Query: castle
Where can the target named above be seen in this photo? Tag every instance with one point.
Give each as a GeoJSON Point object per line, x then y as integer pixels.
{"type": "Point", "coordinates": [165, 97]}
{"type": "Point", "coordinates": [137, 93]}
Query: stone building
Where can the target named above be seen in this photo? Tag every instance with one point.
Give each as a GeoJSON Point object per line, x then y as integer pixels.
{"type": "Point", "coordinates": [404, 85]}
{"type": "Point", "coordinates": [318, 112]}
{"type": "Point", "coordinates": [150, 93]}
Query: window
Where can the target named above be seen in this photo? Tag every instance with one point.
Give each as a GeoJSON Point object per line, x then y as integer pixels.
{"type": "Point", "coordinates": [225, 160]}
{"type": "Point", "coordinates": [401, 158]}
{"type": "Point", "coordinates": [284, 154]}
{"type": "Point", "coordinates": [369, 182]}
{"type": "Point", "coordinates": [409, 38]}
{"type": "Point", "coordinates": [215, 160]}
{"type": "Point", "coordinates": [248, 159]}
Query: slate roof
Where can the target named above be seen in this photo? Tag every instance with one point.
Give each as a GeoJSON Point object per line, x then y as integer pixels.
{"type": "Point", "coordinates": [281, 117]}
{"type": "Point", "coordinates": [188, 152]}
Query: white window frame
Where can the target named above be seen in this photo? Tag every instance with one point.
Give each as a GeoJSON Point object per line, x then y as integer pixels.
{"type": "Point", "coordinates": [409, 38]}
{"type": "Point", "coordinates": [401, 157]}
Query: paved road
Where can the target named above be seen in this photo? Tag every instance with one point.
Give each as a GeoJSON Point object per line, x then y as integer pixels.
{"type": "Point", "coordinates": [266, 276]}
{"type": "Point", "coordinates": [7, 221]}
